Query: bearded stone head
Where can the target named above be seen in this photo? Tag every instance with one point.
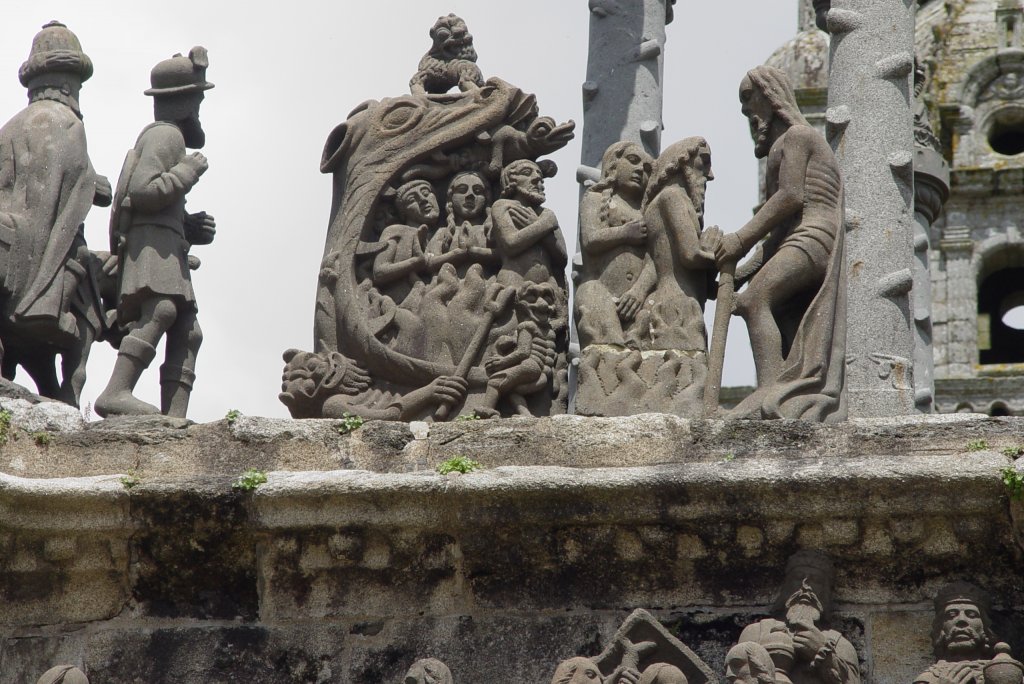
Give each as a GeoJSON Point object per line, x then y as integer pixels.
{"type": "Point", "coordinates": [962, 628]}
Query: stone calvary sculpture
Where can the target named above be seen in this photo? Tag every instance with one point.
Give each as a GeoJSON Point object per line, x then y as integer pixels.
{"type": "Point", "coordinates": [801, 649]}
{"type": "Point", "coordinates": [648, 267]}
{"type": "Point", "coordinates": [151, 235]}
{"type": "Point", "coordinates": [966, 649]}
{"type": "Point", "coordinates": [642, 651]}
{"type": "Point", "coordinates": [52, 289]}
{"type": "Point", "coordinates": [795, 300]}
{"type": "Point", "coordinates": [442, 288]}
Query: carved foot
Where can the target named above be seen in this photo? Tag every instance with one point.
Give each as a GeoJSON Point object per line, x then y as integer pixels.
{"type": "Point", "coordinates": [123, 404]}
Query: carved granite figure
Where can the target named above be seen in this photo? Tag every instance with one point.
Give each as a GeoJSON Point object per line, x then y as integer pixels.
{"type": "Point", "coordinates": [749, 663]}
{"type": "Point", "coordinates": [151, 234]}
{"type": "Point", "coordinates": [795, 301]}
{"type": "Point", "coordinates": [617, 273]}
{"type": "Point", "coordinates": [641, 309]}
{"type": "Point", "coordinates": [642, 651]}
{"type": "Point", "coordinates": [427, 309]}
{"type": "Point", "coordinates": [451, 60]}
{"type": "Point", "coordinates": [428, 671]}
{"type": "Point", "coordinates": [50, 292]}
{"type": "Point", "coordinates": [802, 650]}
{"type": "Point", "coordinates": [63, 674]}
{"type": "Point", "coordinates": [965, 646]}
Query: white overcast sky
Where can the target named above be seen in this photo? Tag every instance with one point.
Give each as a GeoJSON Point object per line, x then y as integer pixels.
{"type": "Point", "coordinates": [287, 72]}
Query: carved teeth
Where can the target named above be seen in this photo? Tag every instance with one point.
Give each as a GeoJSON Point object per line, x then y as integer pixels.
{"type": "Point", "coordinates": [896, 284]}
{"type": "Point", "coordinates": [843, 21]}
{"type": "Point", "coordinates": [895, 66]}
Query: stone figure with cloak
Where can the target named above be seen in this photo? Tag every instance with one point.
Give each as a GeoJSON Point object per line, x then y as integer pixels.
{"type": "Point", "coordinates": [51, 282]}
{"type": "Point", "coordinates": [794, 303]}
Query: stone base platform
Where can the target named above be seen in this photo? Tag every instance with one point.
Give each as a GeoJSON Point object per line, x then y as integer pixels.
{"type": "Point", "coordinates": [125, 549]}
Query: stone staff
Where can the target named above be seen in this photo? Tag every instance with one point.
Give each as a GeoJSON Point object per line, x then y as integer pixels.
{"type": "Point", "coordinates": [723, 314]}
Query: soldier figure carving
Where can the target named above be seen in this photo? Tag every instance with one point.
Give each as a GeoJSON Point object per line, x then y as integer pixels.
{"type": "Point", "coordinates": [151, 235]}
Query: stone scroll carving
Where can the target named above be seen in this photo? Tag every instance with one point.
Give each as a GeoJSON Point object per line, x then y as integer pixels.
{"type": "Point", "coordinates": [52, 291]}
{"type": "Point", "coordinates": [647, 266]}
{"type": "Point", "coordinates": [794, 302]}
{"type": "Point", "coordinates": [442, 288]}
{"type": "Point", "coordinates": [641, 652]}
{"type": "Point", "coordinates": [966, 648]}
{"type": "Point", "coordinates": [801, 649]}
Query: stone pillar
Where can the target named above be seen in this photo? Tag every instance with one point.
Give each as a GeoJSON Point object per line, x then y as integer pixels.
{"type": "Point", "coordinates": [869, 126]}
{"type": "Point", "coordinates": [931, 188]}
{"type": "Point", "coordinates": [961, 300]}
{"type": "Point", "coordinates": [622, 95]}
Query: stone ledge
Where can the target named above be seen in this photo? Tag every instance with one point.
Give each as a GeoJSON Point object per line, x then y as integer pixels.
{"type": "Point", "coordinates": [162, 449]}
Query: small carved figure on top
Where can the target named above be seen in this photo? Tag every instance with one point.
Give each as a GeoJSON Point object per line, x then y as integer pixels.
{"type": "Point", "coordinates": [450, 62]}
{"type": "Point", "coordinates": [151, 234]}
{"type": "Point", "coordinates": [428, 671]}
{"type": "Point", "coordinates": [795, 303]}
{"type": "Point", "coordinates": [63, 674]}
{"type": "Point", "coordinates": [965, 646]}
{"type": "Point", "coordinates": [49, 288]}
{"type": "Point", "coordinates": [801, 649]}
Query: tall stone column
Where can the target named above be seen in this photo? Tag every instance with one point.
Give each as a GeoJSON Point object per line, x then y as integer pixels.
{"type": "Point", "coordinates": [869, 126]}
{"type": "Point", "coordinates": [931, 189]}
{"type": "Point", "coordinates": [622, 96]}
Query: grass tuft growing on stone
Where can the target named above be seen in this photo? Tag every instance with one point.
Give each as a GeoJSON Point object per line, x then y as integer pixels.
{"type": "Point", "coordinates": [250, 480]}
{"type": "Point", "coordinates": [1013, 451]}
{"type": "Point", "coordinates": [458, 464]}
{"type": "Point", "coordinates": [467, 416]}
{"type": "Point", "coordinates": [5, 426]}
{"type": "Point", "coordinates": [1014, 482]}
{"type": "Point", "coordinates": [349, 423]}
{"type": "Point", "coordinates": [130, 479]}
{"type": "Point", "coordinates": [232, 415]}
{"type": "Point", "coordinates": [977, 445]}
{"type": "Point", "coordinates": [42, 438]}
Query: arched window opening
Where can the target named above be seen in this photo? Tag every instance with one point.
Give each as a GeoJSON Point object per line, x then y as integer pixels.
{"type": "Point", "coordinates": [1001, 315]}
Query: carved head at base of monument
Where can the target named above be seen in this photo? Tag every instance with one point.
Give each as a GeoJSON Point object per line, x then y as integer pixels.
{"type": "Point", "coordinates": [310, 379]}
{"type": "Point", "coordinates": [962, 627]}
{"type": "Point", "coordinates": [749, 663]}
{"type": "Point", "coordinates": [577, 670]}
{"type": "Point", "coordinates": [428, 671]}
{"type": "Point", "coordinates": [63, 674]}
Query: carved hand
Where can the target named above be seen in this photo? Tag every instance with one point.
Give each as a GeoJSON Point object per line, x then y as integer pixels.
{"type": "Point", "coordinates": [729, 249]}
{"type": "Point", "coordinates": [628, 305]}
{"type": "Point", "coordinates": [521, 216]}
{"type": "Point", "coordinates": [624, 675]}
{"type": "Point", "coordinates": [198, 162]}
{"type": "Point", "coordinates": [635, 232]}
{"type": "Point", "coordinates": [961, 673]}
{"type": "Point", "coordinates": [807, 639]}
{"type": "Point", "coordinates": [449, 389]}
{"type": "Point", "coordinates": [200, 228]}
{"type": "Point", "coordinates": [710, 239]}
{"type": "Point", "coordinates": [103, 195]}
